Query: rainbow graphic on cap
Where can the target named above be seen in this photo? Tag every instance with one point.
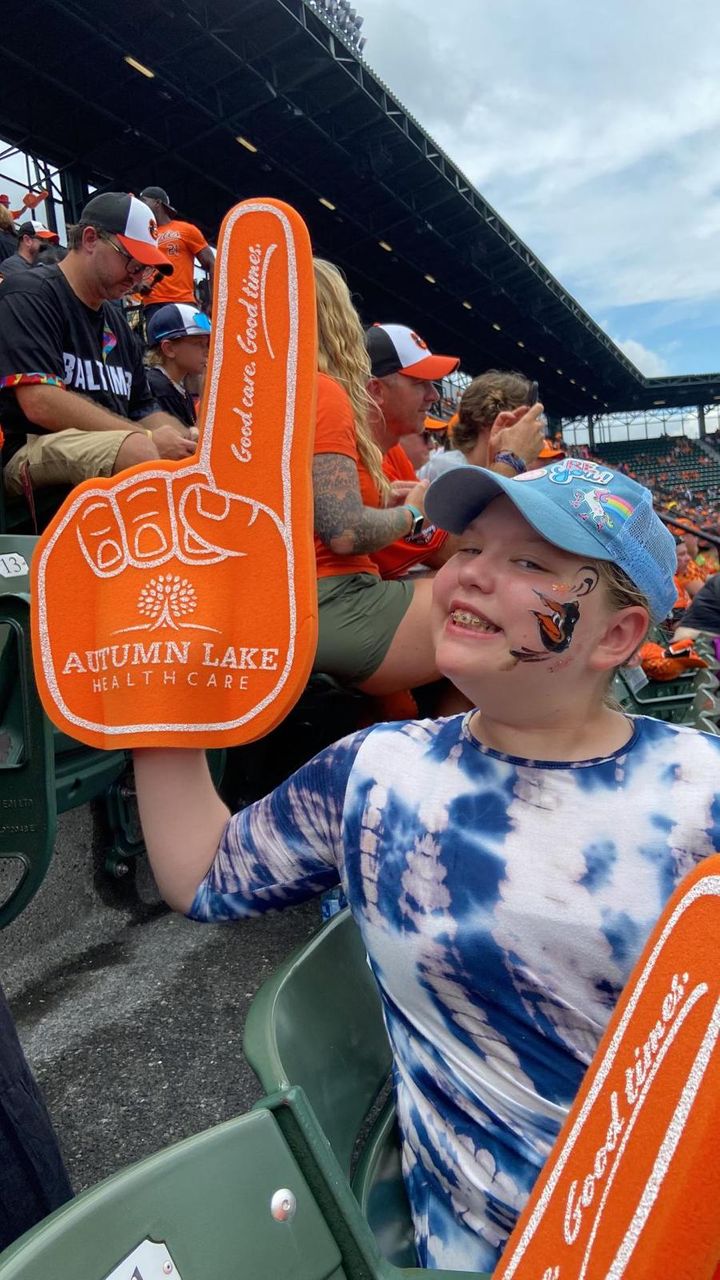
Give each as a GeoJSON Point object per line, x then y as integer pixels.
{"type": "Point", "coordinates": [620, 506]}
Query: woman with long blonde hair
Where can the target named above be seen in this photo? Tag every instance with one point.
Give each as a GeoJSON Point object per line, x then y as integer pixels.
{"type": "Point", "coordinates": [374, 635]}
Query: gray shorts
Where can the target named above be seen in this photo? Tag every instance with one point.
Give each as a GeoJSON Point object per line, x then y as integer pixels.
{"type": "Point", "coordinates": [358, 615]}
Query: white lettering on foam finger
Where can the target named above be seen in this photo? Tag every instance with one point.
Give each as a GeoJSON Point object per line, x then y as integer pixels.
{"type": "Point", "coordinates": [252, 304]}
{"type": "Point", "coordinates": [170, 653]}
{"type": "Point", "coordinates": [639, 1078]}
{"type": "Point", "coordinates": [573, 1208]}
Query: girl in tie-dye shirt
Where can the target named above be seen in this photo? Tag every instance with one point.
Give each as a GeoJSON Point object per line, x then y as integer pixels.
{"type": "Point", "coordinates": [506, 867]}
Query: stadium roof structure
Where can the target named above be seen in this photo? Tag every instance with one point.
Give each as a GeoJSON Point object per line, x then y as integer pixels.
{"type": "Point", "coordinates": [217, 100]}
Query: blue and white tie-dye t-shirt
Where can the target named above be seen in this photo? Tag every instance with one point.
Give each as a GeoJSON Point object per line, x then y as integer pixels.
{"type": "Point", "coordinates": [503, 904]}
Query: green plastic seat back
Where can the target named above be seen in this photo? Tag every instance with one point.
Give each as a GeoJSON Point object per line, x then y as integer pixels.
{"type": "Point", "coordinates": [318, 1023]}
{"type": "Point", "coordinates": [27, 794]}
{"type": "Point", "coordinates": [358, 1244]}
{"type": "Point", "coordinates": [208, 1199]}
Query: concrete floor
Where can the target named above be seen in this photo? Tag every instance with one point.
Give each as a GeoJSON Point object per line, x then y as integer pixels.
{"type": "Point", "coordinates": [132, 1017]}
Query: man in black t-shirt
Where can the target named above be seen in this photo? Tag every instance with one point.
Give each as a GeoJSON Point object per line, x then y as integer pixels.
{"type": "Point", "coordinates": [74, 396]}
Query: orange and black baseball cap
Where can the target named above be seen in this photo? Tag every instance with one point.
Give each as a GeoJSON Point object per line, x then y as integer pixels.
{"type": "Point", "coordinates": [132, 223]}
{"type": "Point", "coordinates": [393, 348]}
{"type": "Point", "coordinates": [37, 231]}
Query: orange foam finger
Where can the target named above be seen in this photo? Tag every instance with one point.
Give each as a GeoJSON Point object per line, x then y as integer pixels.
{"type": "Point", "coordinates": [632, 1186]}
{"type": "Point", "coordinates": [256, 376]}
{"type": "Point", "coordinates": [176, 604]}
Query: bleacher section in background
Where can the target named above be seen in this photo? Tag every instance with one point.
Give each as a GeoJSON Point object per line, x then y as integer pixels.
{"type": "Point", "coordinates": [677, 466]}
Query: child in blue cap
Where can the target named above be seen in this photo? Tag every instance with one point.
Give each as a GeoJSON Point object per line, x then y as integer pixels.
{"type": "Point", "coordinates": [179, 340]}
{"type": "Point", "coordinates": [506, 866]}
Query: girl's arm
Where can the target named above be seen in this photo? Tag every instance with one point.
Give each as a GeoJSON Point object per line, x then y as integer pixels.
{"type": "Point", "coordinates": [182, 818]}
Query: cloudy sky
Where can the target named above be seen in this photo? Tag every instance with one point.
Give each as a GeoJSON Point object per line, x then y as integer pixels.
{"type": "Point", "coordinates": [593, 127]}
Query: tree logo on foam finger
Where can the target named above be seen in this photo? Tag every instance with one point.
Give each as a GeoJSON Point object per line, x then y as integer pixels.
{"type": "Point", "coordinates": [166, 599]}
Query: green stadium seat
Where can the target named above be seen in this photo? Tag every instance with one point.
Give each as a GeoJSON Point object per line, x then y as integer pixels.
{"type": "Point", "coordinates": [256, 1197]}
{"type": "Point", "coordinates": [207, 1199]}
{"type": "Point", "coordinates": [316, 1027]}
{"type": "Point", "coordinates": [27, 793]}
{"type": "Point", "coordinates": [317, 1023]}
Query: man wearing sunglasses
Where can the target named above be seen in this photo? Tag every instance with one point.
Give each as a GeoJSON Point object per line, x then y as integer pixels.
{"type": "Point", "coordinates": [406, 380]}
{"type": "Point", "coordinates": [74, 397]}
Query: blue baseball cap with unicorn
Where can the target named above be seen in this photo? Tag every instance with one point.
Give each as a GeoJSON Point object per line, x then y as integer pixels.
{"type": "Point", "coordinates": [578, 505]}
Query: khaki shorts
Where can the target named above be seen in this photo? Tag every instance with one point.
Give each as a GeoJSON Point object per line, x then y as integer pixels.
{"type": "Point", "coordinates": [64, 457]}
{"type": "Point", "coordinates": [358, 615]}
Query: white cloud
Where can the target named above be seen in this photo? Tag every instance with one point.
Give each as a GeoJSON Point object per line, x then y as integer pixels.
{"type": "Point", "coordinates": [647, 361]}
{"type": "Point", "coordinates": [592, 128]}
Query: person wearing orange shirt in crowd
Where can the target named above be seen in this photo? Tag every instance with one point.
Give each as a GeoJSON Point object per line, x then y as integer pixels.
{"type": "Point", "coordinates": [703, 559]}
{"type": "Point", "coordinates": [688, 577]}
{"type": "Point", "coordinates": [183, 243]}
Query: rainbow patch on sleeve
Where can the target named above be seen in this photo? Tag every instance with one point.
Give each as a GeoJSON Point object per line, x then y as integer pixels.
{"type": "Point", "coordinates": [29, 379]}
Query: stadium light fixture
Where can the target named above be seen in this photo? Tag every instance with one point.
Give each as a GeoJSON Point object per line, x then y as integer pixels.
{"type": "Point", "coordinates": [246, 143]}
{"type": "Point", "coordinates": [430, 279]}
{"type": "Point", "coordinates": [541, 359]}
{"type": "Point", "coordinates": [560, 372]}
{"type": "Point", "coordinates": [521, 344]}
{"type": "Point", "coordinates": [139, 66]}
{"type": "Point", "coordinates": [659, 401]}
{"type": "Point", "coordinates": [497, 326]}
{"type": "Point", "coordinates": [327, 203]}
{"type": "Point", "coordinates": [468, 307]}
{"type": "Point", "coordinates": [384, 245]}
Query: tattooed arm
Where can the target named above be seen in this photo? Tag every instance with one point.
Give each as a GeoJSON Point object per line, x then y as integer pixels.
{"type": "Point", "coordinates": [342, 522]}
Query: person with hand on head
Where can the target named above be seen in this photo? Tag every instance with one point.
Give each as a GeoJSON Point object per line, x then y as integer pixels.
{"type": "Point", "coordinates": [505, 866]}
{"type": "Point", "coordinates": [179, 341]}
{"type": "Point", "coordinates": [31, 236]}
{"type": "Point", "coordinates": [497, 427]}
{"type": "Point", "coordinates": [74, 395]}
{"type": "Point", "coordinates": [183, 244]}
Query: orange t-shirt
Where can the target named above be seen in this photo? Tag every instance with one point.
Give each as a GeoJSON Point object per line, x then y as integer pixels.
{"type": "Point", "coordinates": [335, 433]}
{"type": "Point", "coordinates": [182, 242]}
{"type": "Point", "coordinates": [404, 553]}
{"type": "Point", "coordinates": [691, 573]}
{"type": "Point", "coordinates": [397, 465]}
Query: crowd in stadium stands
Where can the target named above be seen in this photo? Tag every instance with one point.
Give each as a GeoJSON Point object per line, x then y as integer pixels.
{"type": "Point", "coordinates": [85, 393]}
